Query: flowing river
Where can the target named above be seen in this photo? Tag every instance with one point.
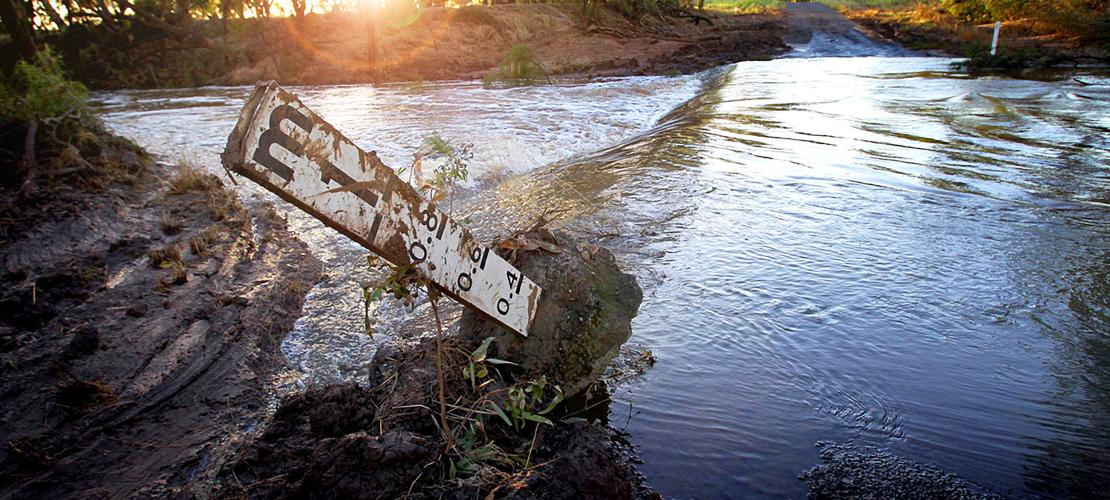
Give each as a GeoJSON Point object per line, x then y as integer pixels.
{"type": "Point", "coordinates": [875, 250]}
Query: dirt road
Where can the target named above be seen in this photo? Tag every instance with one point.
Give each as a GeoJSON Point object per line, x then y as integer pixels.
{"type": "Point", "coordinates": [815, 30]}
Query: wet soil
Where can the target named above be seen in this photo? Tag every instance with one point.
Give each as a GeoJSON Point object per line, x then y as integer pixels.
{"type": "Point", "coordinates": [381, 440]}
{"type": "Point", "coordinates": [142, 315]}
{"type": "Point", "coordinates": [384, 438]}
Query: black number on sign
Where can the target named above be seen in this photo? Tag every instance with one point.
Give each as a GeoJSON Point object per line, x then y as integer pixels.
{"type": "Point", "coordinates": [430, 219]}
{"type": "Point", "coordinates": [417, 252]}
{"type": "Point", "coordinates": [512, 279]}
{"type": "Point", "coordinates": [479, 254]}
{"type": "Point", "coordinates": [503, 306]}
{"type": "Point", "coordinates": [464, 282]}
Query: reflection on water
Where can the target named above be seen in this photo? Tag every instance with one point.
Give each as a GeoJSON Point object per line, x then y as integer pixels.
{"type": "Point", "coordinates": [866, 249]}
{"type": "Point", "coordinates": [863, 250]}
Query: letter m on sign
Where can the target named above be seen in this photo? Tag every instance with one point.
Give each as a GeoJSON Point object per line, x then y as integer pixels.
{"type": "Point", "coordinates": [289, 150]}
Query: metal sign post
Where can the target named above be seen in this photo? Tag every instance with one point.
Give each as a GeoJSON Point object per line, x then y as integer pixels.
{"type": "Point", "coordinates": [285, 147]}
{"type": "Point", "coordinates": [994, 40]}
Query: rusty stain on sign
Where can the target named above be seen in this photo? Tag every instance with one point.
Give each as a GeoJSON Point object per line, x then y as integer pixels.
{"type": "Point", "coordinates": [285, 147]}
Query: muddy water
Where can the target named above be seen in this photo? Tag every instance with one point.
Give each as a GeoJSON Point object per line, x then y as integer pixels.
{"type": "Point", "coordinates": [874, 250]}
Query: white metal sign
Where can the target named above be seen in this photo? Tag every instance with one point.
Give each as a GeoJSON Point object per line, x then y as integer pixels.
{"type": "Point", "coordinates": [285, 147]}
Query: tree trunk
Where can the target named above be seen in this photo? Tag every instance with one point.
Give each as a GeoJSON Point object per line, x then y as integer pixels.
{"type": "Point", "coordinates": [18, 28]}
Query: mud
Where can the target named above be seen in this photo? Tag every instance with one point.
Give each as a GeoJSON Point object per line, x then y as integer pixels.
{"type": "Point", "coordinates": [848, 471]}
{"type": "Point", "coordinates": [384, 437]}
{"type": "Point", "coordinates": [381, 440]}
{"type": "Point", "coordinates": [142, 315]}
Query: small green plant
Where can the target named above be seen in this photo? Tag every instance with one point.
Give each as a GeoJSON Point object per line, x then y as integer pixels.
{"type": "Point", "coordinates": [470, 443]}
{"type": "Point", "coordinates": [517, 69]}
{"type": "Point", "coordinates": [523, 402]}
{"type": "Point", "coordinates": [165, 257]}
{"type": "Point", "coordinates": [403, 283]}
{"type": "Point", "coordinates": [452, 166]}
{"type": "Point", "coordinates": [39, 89]}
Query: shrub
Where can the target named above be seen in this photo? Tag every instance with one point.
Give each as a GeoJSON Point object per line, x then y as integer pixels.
{"type": "Point", "coordinates": [517, 68]}
{"type": "Point", "coordinates": [39, 89]}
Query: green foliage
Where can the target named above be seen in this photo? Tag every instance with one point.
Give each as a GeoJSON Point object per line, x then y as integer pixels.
{"type": "Point", "coordinates": [518, 405]}
{"type": "Point", "coordinates": [973, 11]}
{"type": "Point", "coordinates": [39, 89]}
{"type": "Point", "coordinates": [524, 401]}
{"type": "Point", "coordinates": [518, 68]}
{"type": "Point", "coordinates": [1081, 17]}
{"type": "Point", "coordinates": [403, 283]}
{"type": "Point", "coordinates": [453, 166]}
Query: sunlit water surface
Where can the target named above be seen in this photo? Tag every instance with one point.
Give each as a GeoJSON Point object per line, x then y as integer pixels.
{"type": "Point", "coordinates": [875, 250]}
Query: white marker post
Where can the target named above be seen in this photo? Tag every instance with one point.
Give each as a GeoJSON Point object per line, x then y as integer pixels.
{"type": "Point", "coordinates": [994, 42]}
{"type": "Point", "coordinates": [285, 147]}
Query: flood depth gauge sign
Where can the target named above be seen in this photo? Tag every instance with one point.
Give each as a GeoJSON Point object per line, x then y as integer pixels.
{"type": "Point", "coordinates": [289, 150]}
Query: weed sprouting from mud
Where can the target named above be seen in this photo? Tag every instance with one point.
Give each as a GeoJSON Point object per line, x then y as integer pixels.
{"type": "Point", "coordinates": [79, 395]}
{"type": "Point", "coordinates": [222, 203]}
{"type": "Point", "coordinates": [494, 405]}
{"type": "Point", "coordinates": [170, 257]}
{"type": "Point", "coordinates": [200, 243]}
{"type": "Point", "coordinates": [190, 178]}
{"type": "Point", "coordinates": [166, 257]}
{"type": "Point", "coordinates": [171, 224]}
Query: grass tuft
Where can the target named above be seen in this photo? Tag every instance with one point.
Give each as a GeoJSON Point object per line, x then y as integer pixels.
{"type": "Point", "coordinates": [200, 243]}
{"type": "Point", "coordinates": [190, 178]}
{"type": "Point", "coordinates": [83, 395]}
{"type": "Point", "coordinates": [166, 257]}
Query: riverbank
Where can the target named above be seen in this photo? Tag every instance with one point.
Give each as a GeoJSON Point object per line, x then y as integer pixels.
{"type": "Point", "coordinates": [1023, 43]}
{"type": "Point", "coordinates": [143, 311]}
{"type": "Point", "coordinates": [433, 44]}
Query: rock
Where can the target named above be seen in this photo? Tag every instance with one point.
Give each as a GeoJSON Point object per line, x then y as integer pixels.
{"type": "Point", "coordinates": [584, 314]}
{"type": "Point", "coordinates": [851, 472]}
{"type": "Point", "coordinates": [86, 340]}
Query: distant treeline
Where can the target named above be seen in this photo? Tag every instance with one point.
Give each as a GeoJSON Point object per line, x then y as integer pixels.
{"type": "Point", "coordinates": [72, 23]}
{"type": "Point", "coordinates": [164, 43]}
{"type": "Point", "coordinates": [1089, 19]}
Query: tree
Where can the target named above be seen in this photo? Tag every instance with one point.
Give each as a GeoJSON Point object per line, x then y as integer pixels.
{"type": "Point", "coordinates": [299, 7]}
{"type": "Point", "coordinates": [19, 29]}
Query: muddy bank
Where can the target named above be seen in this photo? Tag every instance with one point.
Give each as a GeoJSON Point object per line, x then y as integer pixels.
{"type": "Point", "coordinates": [435, 44]}
{"type": "Point", "coordinates": [382, 441]}
{"type": "Point", "coordinates": [142, 312]}
{"type": "Point", "coordinates": [503, 425]}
